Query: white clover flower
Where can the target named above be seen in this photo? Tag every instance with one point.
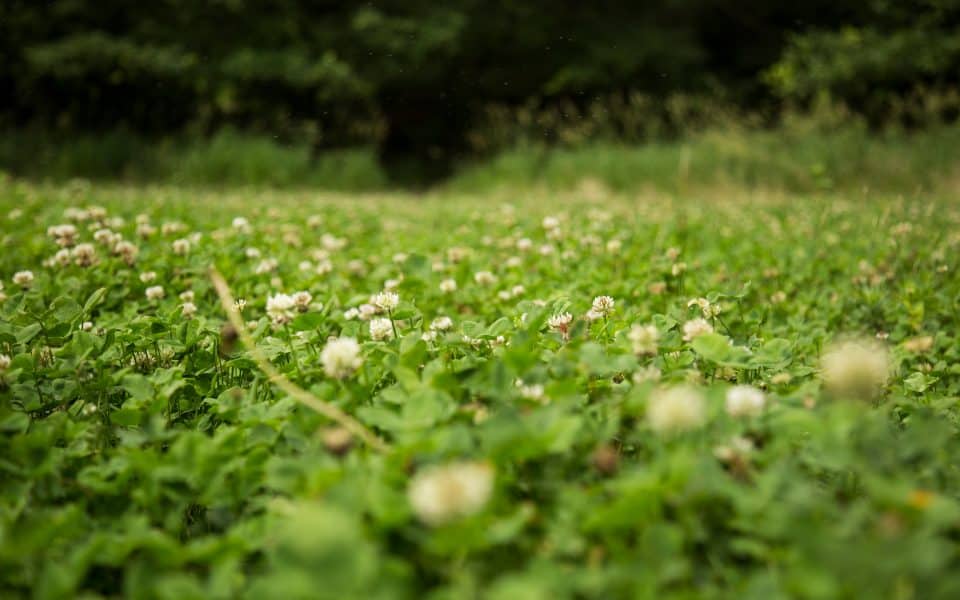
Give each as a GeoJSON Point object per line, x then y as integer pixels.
{"type": "Point", "coordinates": [485, 278]}
{"type": "Point", "coordinates": [546, 250]}
{"type": "Point", "coordinates": [560, 322]}
{"type": "Point", "coordinates": [351, 314]}
{"type": "Point", "coordinates": [127, 251]}
{"type": "Point", "coordinates": [648, 373]}
{"type": "Point", "coordinates": [504, 295]}
{"type": "Point", "coordinates": [267, 265]}
{"type": "Point", "coordinates": [695, 328]}
{"type": "Point", "coordinates": [457, 254]}
{"type": "Point", "coordinates": [614, 246]}
{"type": "Point", "coordinates": [241, 224]}
{"type": "Point", "coordinates": [23, 279]}
{"type": "Point", "coordinates": [428, 336]}
{"type": "Point", "coordinates": [86, 326]}
{"type": "Point", "coordinates": [679, 408]}
{"type": "Point", "coordinates": [678, 268]}
{"type": "Point", "coordinates": [155, 292]}
{"type": "Point", "coordinates": [400, 257]}
{"type": "Point", "coordinates": [438, 266]}
{"type": "Point", "coordinates": [524, 244]}
{"type": "Point", "coordinates": [385, 301]}
{"type": "Point", "coordinates": [513, 262]}
{"type": "Point", "coordinates": [738, 448]}
{"type": "Point", "coordinates": [855, 369]}
{"type": "Point", "coordinates": [644, 339]}
{"type": "Point", "coordinates": [187, 296]}
{"type": "Point", "coordinates": [181, 246]}
{"type": "Point", "coordinates": [381, 329]}
{"type": "Point", "coordinates": [252, 253]}
{"type": "Point", "coordinates": [442, 323]}
{"type": "Point", "coordinates": [280, 309]}
{"type": "Point", "coordinates": [533, 392]}
{"type": "Point", "coordinates": [84, 255]}
{"type": "Point", "coordinates": [603, 305]}
{"type": "Point", "coordinates": [592, 315]}
{"type": "Point", "coordinates": [302, 300]}
{"type": "Point", "coordinates": [148, 276]}
{"type": "Point", "coordinates": [240, 304]}
{"type": "Point", "coordinates": [708, 309]}
{"type": "Point", "coordinates": [188, 309]}
{"type": "Point", "coordinates": [550, 222]}
{"type": "Point", "coordinates": [314, 221]}
{"type": "Point", "coordinates": [4, 362]}
{"type": "Point", "coordinates": [517, 290]}
{"type": "Point", "coordinates": [62, 258]}
{"type": "Point", "coordinates": [323, 267]}
{"type": "Point", "coordinates": [392, 284]}
{"type": "Point", "coordinates": [145, 230]}
{"type": "Point", "coordinates": [744, 401]}
{"type": "Point", "coordinates": [332, 243]}
{"type": "Point", "coordinates": [442, 494]}
{"type": "Point", "coordinates": [341, 357]}
{"type": "Point", "coordinates": [104, 236]}
{"type": "Point", "coordinates": [367, 311]}
{"type": "Point", "coordinates": [448, 286]}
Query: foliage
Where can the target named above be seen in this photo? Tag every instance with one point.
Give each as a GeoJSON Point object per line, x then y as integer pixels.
{"type": "Point", "coordinates": [416, 78]}
{"type": "Point", "coordinates": [145, 455]}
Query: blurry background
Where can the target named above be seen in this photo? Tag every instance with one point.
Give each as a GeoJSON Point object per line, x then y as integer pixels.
{"type": "Point", "coordinates": [365, 95]}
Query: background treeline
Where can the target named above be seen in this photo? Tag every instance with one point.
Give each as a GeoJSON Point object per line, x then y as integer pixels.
{"type": "Point", "coordinates": [427, 82]}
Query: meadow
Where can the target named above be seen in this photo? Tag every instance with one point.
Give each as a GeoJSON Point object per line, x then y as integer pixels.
{"type": "Point", "coordinates": [512, 392]}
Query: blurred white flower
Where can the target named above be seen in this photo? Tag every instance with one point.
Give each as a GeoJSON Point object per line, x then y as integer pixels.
{"type": "Point", "coordinates": [644, 339]}
{"type": "Point", "coordinates": [856, 369]}
{"type": "Point", "coordinates": [381, 329]}
{"type": "Point", "coordinates": [678, 408]}
{"type": "Point", "coordinates": [340, 357]}
{"type": "Point", "coordinates": [744, 401]}
{"type": "Point", "coordinates": [442, 494]}
{"type": "Point", "coordinates": [696, 327]}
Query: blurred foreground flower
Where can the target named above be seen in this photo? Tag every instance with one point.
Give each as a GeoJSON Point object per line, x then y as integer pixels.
{"type": "Point", "coordinates": [676, 409]}
{"type": "Point", "coordinates": [341, 357]}
{"type": "Point", "coordinates": [442, 494]}
{"type": "Point", "coordinates": [856, 369]}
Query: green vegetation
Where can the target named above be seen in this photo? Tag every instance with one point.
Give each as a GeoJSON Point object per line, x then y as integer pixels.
{"type": "Point", "coordinates": [734, 393]}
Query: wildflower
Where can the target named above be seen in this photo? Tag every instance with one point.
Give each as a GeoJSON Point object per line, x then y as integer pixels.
{"type": "Point", "coordinates": [145, 230]}
{"type": "Point", "coordinates": [778, 297]}
{"type": "Point", "coordinates": [86, 326]}
{"type": "Point", "coordinates": [614, 246]}
{"type": "Point", "coordinates": [367, 311]}
{"type": "Point", "coordinates": [644, 339]}
{"type": "Point", "coordinates": [744, 401]}
{"type": "Point", "coordinates": [181, 246]}
{"type": "Point", "coordinates": [267, 265]}
{"type": "Point", "coordinates": [189, 309]}
{"type": "Point", "coordinates": [919, 345]}
{"type": "Point", "coordinates": [485, 278]}
{"type": "Point", "coordinates": [457, 254]}
{"type": "Point", "coordinates": [678, 268]}
{"type": "Point", "coordinates": [560, 322]}
{"type": "Point", "coordinates": [524, 244]}
{"type": "Point", "coordinates": [61, 258]}
{"type": "Point", "coordinates": [531, 391]}
{"type": "Point", "coordinates": [696, 328]}
{"type": "Point", "coordinates": [126, 251]}
{"type": "Point", "coordinates": [84, 255]}
{"type": "Point", "coordinates": [602, 305]}
{"type": "Point", "coordinates": [252, 253]}
{"type": "Point", "coordinates": [513, 262]}
{"type": "Point", "coordinates": [645, 374]}
{"type": "Point", "coordinates": [4, 362]}
{"type": "Point", "coordinates": [550, 222]}
{"type": "Point", "coordinates": [708, 309]}
{"type": "Point", "coordinates": [657, 288]}
{"type": "Point", "coordinates": [187, 296]}
{"type": "Point", "coordinates": [546, 249]}
{"type": "Point", "coordinates": [155, 292]}
{"type": "Point", "coordinates": [340, 357]}
{"type": "Point", "coordinates": [280, 309]}
{"type": "Point", "coordinates": [738, 448]}
{"type": "Point", "coordinates": [448, 286]}
{"type": "Point", "coordinates": [148, 276]}
{"type": "Point", "coordinates": [241, 224]}
{"type": "Point", "coordinates": [441, 324]}
{"type": "Point", "coordinates": [351, 314]}
{"type": "Point", "coordinates": [385, 301]}
{"type": "Point", "coordinates": [357, 267]}
{"type": "Point", "coordinates": [323, 267]}
{"type": "Point", "coordinates": [855, 368]}
{"type": "Point", "coordinates": [676, 409]}
{"type": "Point", "coordinates": [65, 235]}
{"type": "Point", "coordinates": [302, 300]}
{"type": "Point", "coordinates": [381, 329]}
{"type": "Point", "coordinates": [23, 278]}
{"type": "Point", "coordinates": [400, 257]}
{"type": "Point", "coordinates": [442, 494]}
{"type": "Point", "coordinates": [240, 304]}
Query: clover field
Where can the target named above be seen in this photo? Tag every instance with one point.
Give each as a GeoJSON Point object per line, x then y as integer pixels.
{"type": "Point", "coordinates": [531, 395]}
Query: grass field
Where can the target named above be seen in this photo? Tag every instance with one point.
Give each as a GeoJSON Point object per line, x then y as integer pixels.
{"type": "Point", "coordinates": [723, 392]}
